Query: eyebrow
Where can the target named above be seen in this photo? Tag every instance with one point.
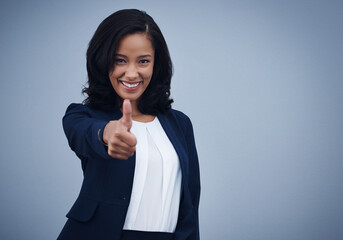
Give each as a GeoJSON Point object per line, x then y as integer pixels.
{"type": "Point", "coordinates": [144, 56]}
{"type": "Point", "coordinates": [141, 56]}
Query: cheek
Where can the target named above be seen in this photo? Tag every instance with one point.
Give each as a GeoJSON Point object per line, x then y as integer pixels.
{"type": "Point", "coordinates": [115, 75]}
{"type": "Point", "coordinates": [117, 72]}
{"type": "Point", "coordinates": [114, 82]}
{"type": "Point", "coordinates": [147, 73]}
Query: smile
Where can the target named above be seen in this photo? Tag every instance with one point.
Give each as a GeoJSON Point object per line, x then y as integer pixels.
{"type": "Point", "coordinates": [130, 85]}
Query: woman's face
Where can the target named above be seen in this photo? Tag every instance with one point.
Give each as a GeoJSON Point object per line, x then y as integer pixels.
{"type": "Point", "coordinates": [133, 66]}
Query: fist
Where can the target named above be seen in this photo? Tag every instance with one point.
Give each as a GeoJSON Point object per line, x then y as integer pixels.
{"type": "Point", "coordinates": [121, 142]}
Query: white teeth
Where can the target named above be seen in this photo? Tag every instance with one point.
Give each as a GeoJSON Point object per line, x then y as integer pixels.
{"type": "Point", "coordinates": [130, 85]}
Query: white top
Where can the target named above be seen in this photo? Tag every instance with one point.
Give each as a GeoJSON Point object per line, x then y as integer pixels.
{"type": "Point", "coordinates": [155, 198]}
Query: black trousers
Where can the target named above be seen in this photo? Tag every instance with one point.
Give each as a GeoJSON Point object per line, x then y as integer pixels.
{"type": "Point", "coordinates": [141, 235]}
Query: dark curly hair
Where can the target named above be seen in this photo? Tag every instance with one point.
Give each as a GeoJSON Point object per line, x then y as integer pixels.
{"type": "Point", "coordinates": [100, 61]}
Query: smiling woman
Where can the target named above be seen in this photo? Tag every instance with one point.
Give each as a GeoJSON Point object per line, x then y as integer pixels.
{"type": "Point", "coordinates": [133, 68]}
{"type": "Point", "coordinates": [123, 31]}
{"type": "Point", "coordinates": [138, 155]}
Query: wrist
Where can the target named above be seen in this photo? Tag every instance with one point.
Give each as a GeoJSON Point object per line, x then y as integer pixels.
{"type": "Point", "coordinates": [100, 136]}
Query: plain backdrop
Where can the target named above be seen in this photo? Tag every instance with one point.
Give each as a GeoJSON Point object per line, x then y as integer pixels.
{"type": "Point", "coordinates": [261, 81]}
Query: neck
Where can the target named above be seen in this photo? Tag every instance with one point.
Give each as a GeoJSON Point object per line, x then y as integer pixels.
{"type": "Point", "coordinates": [138, 116]}
{"type": "Point", "coordinates": [135, 111]}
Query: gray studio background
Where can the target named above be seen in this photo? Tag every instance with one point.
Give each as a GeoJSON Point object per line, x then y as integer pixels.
{"type": "Point", "coordinates": [261, 81]}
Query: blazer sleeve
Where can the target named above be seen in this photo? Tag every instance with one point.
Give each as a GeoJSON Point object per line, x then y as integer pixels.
{"type": "Point", "coordinates": [194, 182]}
{"type": "Point", "coordinates": [83, 131]}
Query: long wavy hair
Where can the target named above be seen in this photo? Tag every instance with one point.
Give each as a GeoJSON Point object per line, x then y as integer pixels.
{"type": "Point", "coordinates": [100, 62]}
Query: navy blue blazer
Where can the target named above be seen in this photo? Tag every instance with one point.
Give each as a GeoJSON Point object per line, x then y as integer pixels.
{"type": "Point", "coordinates": [100, 209]}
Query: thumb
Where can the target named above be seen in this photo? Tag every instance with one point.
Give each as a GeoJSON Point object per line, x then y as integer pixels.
{"type": "Point", "coordinates": [127, 111]}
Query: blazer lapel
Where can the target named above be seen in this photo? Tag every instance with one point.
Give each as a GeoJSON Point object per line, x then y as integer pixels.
{"type": "Point", "coordinates": [175, 136]}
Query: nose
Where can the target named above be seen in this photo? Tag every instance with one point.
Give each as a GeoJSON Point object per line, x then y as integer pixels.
{"type": "Point", "coordinates": [131, 72]}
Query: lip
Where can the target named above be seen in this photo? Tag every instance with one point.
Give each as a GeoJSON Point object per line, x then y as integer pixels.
{"type": "Point", "coordinates": [128, 85]}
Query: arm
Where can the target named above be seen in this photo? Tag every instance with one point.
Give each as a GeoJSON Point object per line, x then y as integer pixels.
{"type": "Point", "coordinates": [82, 130]}
{"type": "Point", "coordinates": [194, 184]}
{"type": "Point", "coordinates": [88, 135]}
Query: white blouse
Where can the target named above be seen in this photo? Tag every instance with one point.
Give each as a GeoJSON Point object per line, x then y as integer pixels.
{"type": "Point", "coordinates": [155, 197]}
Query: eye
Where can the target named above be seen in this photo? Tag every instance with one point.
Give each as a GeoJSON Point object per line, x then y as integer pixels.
{"type": "Point", "coordinates": [119, 61]}
{"type": "Point", "coordinates": [144, 61]}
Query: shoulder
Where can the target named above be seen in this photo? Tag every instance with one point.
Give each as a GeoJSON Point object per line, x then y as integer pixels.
{"type": "Point", "coordinates": [86, 110]}
{"type": "Point", "coordinates": [177, 114]}
{"type": "Point", "coordinates": [76, 107]}
{"type": "Point", "coordinates": [180, 118]}
{"type": "Point", "coordinates": [80, 109]}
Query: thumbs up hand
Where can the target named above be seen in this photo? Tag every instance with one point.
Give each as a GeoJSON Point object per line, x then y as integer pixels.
{"type": "Point", "coordinates": [127, 111]}
{"type": "Point", "coordinates": [121, 142]}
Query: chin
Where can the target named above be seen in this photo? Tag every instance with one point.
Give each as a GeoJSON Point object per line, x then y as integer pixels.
{"type": "Point", "coordinates": [130, 97]}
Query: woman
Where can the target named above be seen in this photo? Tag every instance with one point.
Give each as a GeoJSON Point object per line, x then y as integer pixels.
{"type": "Point", "coordinates": [138, 156]}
